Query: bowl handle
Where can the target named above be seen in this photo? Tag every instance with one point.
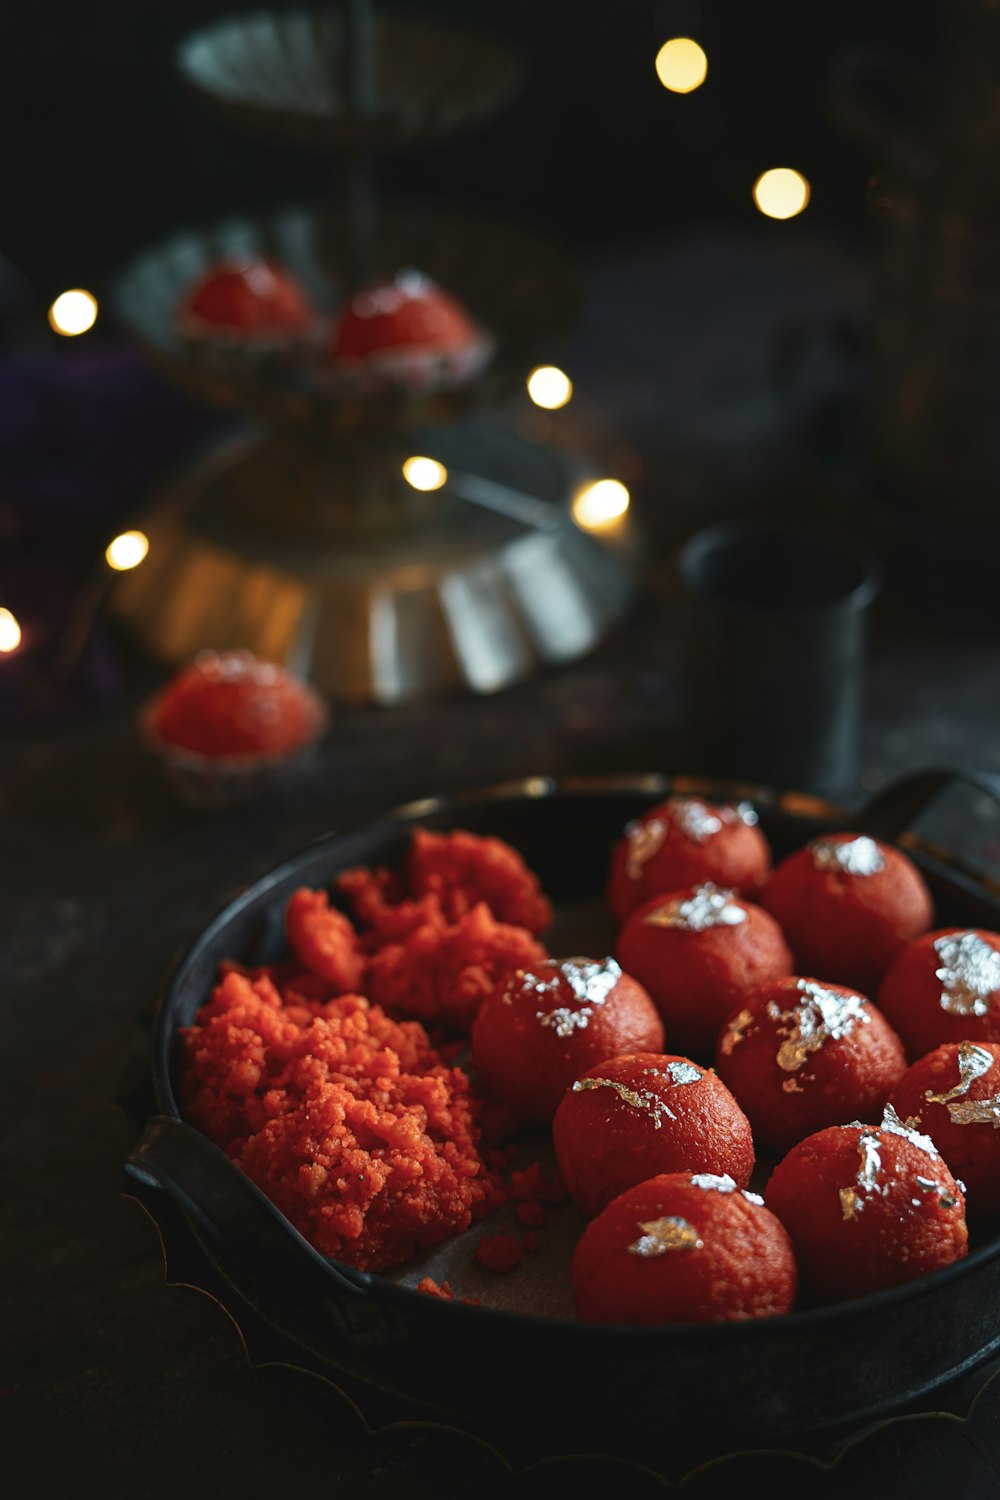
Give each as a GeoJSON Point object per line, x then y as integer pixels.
{"type": "Point", "coordinates": [891, 811]}
{"type": "Point", "coordinates": [225, 1209]}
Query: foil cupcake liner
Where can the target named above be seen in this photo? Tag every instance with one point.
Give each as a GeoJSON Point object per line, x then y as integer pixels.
{"type": "Point", "coordinates": [270, 351]}
{"type": "Point", "coordinates": [410, 370]}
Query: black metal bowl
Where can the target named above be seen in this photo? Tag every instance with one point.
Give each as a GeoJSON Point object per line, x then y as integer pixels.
{"type": "Point", "coordinates": [676, 1395]}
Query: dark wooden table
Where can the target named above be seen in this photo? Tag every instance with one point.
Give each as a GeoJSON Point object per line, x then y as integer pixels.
{"type": "Point", "coordinates": [115, 1383]}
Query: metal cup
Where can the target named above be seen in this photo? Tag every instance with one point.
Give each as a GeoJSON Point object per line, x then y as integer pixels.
{"type": "Point", "coordinates": [774, 632]}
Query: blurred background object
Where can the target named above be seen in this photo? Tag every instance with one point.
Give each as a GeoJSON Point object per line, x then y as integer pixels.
{"type": "Point", "coordinates": [683, 191]}
{"type": "Point", "coordinates": [931, 434]}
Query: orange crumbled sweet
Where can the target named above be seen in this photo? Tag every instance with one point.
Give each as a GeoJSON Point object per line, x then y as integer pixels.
{"type": "Point", "coordinates": [442, 1290]}
{"type": "Point", "coordinates": [445, 973]}
{"type": "Point", "coordinates": [346, 1119]}
{"type": "Point", "coordinates": [441, 933]}
{"type": "Point", "coordinates": [324, 939]}
{"type": "Point", "coordinates": [436, 1289]}
{"type": "Point", "coordinates": [499, 1252]}
{"type": "Point", "coordinates": [444, 877]}
{"type": "Point", "coordinates": [462, 869]}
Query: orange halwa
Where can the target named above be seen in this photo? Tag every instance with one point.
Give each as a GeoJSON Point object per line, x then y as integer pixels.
{"type": "Point", "coordinates": [348, 1119]}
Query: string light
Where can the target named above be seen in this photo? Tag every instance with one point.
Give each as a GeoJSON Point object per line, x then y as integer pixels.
{"type": "Point", "coordinates": [600, 503]}
{"type": "Point", "coordinates": [73, 312]}
{"type": "Point", "coordinates": [127, 550]}
{"type": "Point", "coordinates": [681, 65]}
{"type": "Point", "coordinates": [10, 632]}
{"type": "Point", "coordinates": [781, 193]}
{"type": "Point", "coordinates": [550, 387]}
{"type": "Point", "coordinates": [424, 473]}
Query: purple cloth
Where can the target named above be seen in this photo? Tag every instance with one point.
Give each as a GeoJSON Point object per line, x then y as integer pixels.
{"type": "Point", "coordinates": [85, 432]}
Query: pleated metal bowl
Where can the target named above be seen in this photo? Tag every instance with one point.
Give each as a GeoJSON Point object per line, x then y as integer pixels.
{"type": "Point", "coordinates": [675, 1396]}
{"type": "Point", "coordinates": [282, 74]}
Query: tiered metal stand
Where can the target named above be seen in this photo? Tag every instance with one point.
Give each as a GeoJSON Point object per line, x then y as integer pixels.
{"type": "Point", "coordinates": [300, 539]}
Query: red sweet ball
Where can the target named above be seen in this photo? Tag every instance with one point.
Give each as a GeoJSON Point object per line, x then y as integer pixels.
{"type": "Point", "coordinates": [410, 311]}
{"type": "Point", "coordinates": [682, 1248]}
{"type": "Point", "coordinates": [231, 704]}
{"type": "Point", "coordinates": [800, 1055]}
{"type": "Point", "coordinates": [698, 951]}
{"type": "Point", "coordinates": [642, 1114]}
{"type": "Point", "coordinates": [685, 841]}
{"type": "Point", "coordinates": [249, 295]}
{"type": "Point", "coordinates": [944, 987]}
{"type": "Point", "coordinates": [867, 1207]}
{"type": "Point", "coordinates": [847, 904]}
{"type": "Point", "coordinates": [542, 1028]}
{"type": "Point", "coordinates": [953, 1095]}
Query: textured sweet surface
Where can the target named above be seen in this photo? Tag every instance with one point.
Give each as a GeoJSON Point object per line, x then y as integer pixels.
{"type": "Point", "coordinates": [944, 987]}
{"type": "Point", "coordinates": [539, 1030]}
{"type": "Point", "coordinates": [847, 905]}
{"type": "Point", "coordinates": [683, 1248]}
{"type": "Point", "coordinates": [639, 1115]}
{"type": "Point", "coordinates": [684, 841]}
{"type": "Point", "coordinates": [698, 951]}
{"type": "Point", "coordinates": [867, 1207]}
{"type": "Point", "coordinates": [953, 1095]}
{"type": "Point", "coordinates": [800, 1054]}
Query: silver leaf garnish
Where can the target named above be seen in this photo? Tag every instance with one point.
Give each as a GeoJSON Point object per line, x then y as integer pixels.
{"type": "Point", "coordinates": [684, 1072]}
{"type": "Point", "coordinates": [871, 1160]}
{"type": "Point", "coordinates": [973, 1063]}
{"type": "Point", "coordinates": [643, 1099]}
{"type": "Point", "coordinates": [707, 906]}
{"type": "Point", "coordinates": [714, 1182]}
{"type": "Point", "coordinates": [945, 1199]}
{"type": "Point", "coordinates": [823, 1015]}
{"type": "Point", "coordinates": [907, 1129]}
{"type": "Point", "coordinates": [694, 819]}
{"type": "Point", "coordinates": [858, 856]}
{"type": "Point", "coordinates": [723, 1183]}
{"type": "Point", "coordinates": [642, 841]}
{"type": "Point", "coordinates": [969, 972]}
{"type": "Point", "coordinates": [591, 982]}
{"type": "Point", "coordinates": [976, 1111]}
{"type": "Point", "coordinates": [661, 1235]}
{"type": "Point", "coordinates": [852, 1200]}
{"type": "Point", "coordinates": [564, 1021]}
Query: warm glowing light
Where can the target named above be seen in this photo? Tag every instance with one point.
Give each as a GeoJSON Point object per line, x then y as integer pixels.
{"type": "Point", "coordinates": [781, 193]}
{"type": "Point", "coordinates": [127, 550]}
{"type": "Point", "coordinates": [599, 504]}
{"type": "Point", "coordinates": [10, 632]}
{"type": "Point", "coordinates": [549, 387]}
{"type": "Point", "coordinates": [681, 65]}
{"type": "Point", "coordinates": [425, 473]}
{"type": "Point", "coordinates": [73, 312]}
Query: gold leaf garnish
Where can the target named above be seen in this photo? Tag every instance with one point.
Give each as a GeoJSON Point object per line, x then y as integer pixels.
{"type": "Point", "coordinates": [661, 1235]}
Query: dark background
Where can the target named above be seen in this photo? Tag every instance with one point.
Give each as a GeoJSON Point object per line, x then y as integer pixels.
{"type": "Point", "coordinates": [112, 150]}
